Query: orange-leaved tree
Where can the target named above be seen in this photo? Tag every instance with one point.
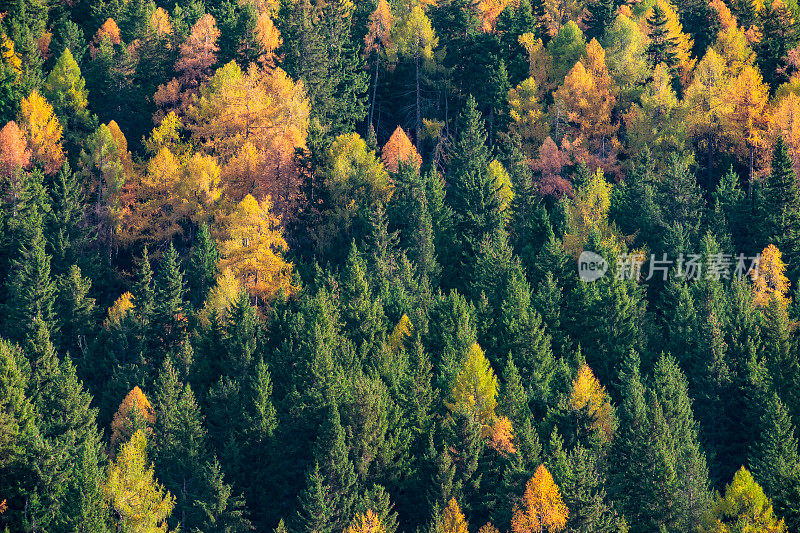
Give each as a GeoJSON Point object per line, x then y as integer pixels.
{"type": "Point", "coordinates": [134, 413]}
{"type": "Point", "coordinates": [14, 152]}
{"type": "Point", "coordinates": [542, 508]}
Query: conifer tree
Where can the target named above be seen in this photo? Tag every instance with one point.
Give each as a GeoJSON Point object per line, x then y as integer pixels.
{"type": "Point", "coordinates": [202, 270]}
{"type": "Point", "coordinates": [169, 319]}
{"type": "Point", "coordinates": [75, 310]}
{"type": "Point", "coordinates": [743, 506]}
{"type": "Point", "coordinates": [775, 462]}
{"type": "Point", "coordinates": [137, 498]}
{"type": "Point", "coordinates": [31, 288]}
{"type": "Point", "coordinates": [471, 195]}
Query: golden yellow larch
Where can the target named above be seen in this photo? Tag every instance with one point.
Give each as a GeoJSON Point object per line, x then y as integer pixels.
{"type": "Point", "coordinates": [43, 131]}
{"type": "Point", "coordinates": [542, 508]}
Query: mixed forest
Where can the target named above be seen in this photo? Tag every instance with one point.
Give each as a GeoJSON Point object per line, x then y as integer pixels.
{"type": "Point", "coordinates": [302, 266]}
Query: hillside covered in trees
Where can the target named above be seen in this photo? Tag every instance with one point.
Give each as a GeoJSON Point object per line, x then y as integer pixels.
{"type": "Point", "coordinates": [434, 266]}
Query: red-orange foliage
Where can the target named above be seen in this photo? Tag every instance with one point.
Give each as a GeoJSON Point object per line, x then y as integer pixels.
{"type": "Point", "coordinates": [398, 149]}
{"type": "Point", "coordinates": [134, 411]}
{"type": "Point", "coordinates": [108, 29]}
{"type": "Point", "coordinates": [198, 55]}
{"type": "Point", "coordinates": [550, 165]}
{"type": "Point", "coordinates": [14, 152]}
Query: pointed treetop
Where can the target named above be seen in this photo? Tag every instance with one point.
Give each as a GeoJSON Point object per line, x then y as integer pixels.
{"type": "Point", "coordinates": [134, 413]}
{"type": "Point", "coordinates": [769, 279]}
{"type": "Point", "coordinates": [542, 507]}
{"type": "Point", "coordinates": [399, 149]}
{"type": "Point", "coordinates": [14, 152]}
{"type": "Point", "coordinates": [368, 522]}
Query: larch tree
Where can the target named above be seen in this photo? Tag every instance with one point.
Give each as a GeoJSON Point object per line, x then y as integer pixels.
{"type": "Point", "coordinates": [134, 413]}
{"type": "Point", "coordinates": [254, 120]}
{"type": "Point", "coordinates": [399, 150]}
{"type": "Point", "coordinates": [475, 389]}
{"type": "Point", "coordinates": [589, 397]}
{"type": "Point", "coordinates": [542, 508]}
{"type": "Point", "coordinates": [252, 246]}
{"type": "Point", "coordinates": [525, 112]}
{"type": "Point", "coordinates": [786, 120]}
{"type": "Point", "coordinates": [587, 101]}
{"type": "Point", "coordinates": [198, 55]}
{"type": "Point", "coordinates": [14, 153]}
{"type": "Point", "coordinates": [139, 501]}
{"type": "Point", "coordinates": [452, 520]}
{"type": "Point", "coordinates": [743, 507]}
{"type": "Point", "coordinates": [65, 88]}
{"type": "Point", "coordinates": [43, 132]}
{"type": "Point", "coordinates": [769, 279]}
{"type": "Point", "coordinates": [368, 522]}
{"type": "Point", "coordinates": [748, 119]}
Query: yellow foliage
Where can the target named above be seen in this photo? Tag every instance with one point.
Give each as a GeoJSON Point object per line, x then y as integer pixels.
{"type": "Point", "coordinates": [401, 332]}
{"type": "Point", "coordinates": [220, 297]}
{"type": "Point", "coordinates": [589, 209]}
{"type": "Point", "coordinates": [769, 279]}
{"type": "Point", "coordinates": [475, 389]}
{"type": "Point", "coordinates": [380, 26]}
{"type": "Point", "coordinates": [587, 393]}
{"type": "Point", "coordinates": [252, 248]}
{"type": "Point", "coordinates": [452, 520]}
{"type": "Point", "coordinates": [8, 55]}
{"type": "Point", "coordinates": [355, 172]}
{"type": "Point", "coordinates": [140, 502]}
{"type": "Point", "coordinates": [525, 113]}
{"type": "Point", "coordinates": [119, 310]}
{"type": "Point", "coordinates": [747, 119]}
{"type": "Point", "coordinates": [159, 20]}
{"type": "Point", "coordinates": [134, 412]}
{"type": "Point", "coordinates": [502, 184]}
{"type": "Point", "coordinates": [539, 61]}
{"type": "Point", "coordinates": [399, 149]}
{"type": "Point", "coordinates": [542, 507]}
{"type": "Point", "coordinates": [502, 438]}
{"type": "Point", "coordinates": [368, 522]}
{"type": "Point", "coordinates": [262, 107]}
{"type": "Point", "coordinates": [43, 131]}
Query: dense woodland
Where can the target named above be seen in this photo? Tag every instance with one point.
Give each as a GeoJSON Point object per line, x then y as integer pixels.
{"type": "Point", "coordinates": [311, 267]}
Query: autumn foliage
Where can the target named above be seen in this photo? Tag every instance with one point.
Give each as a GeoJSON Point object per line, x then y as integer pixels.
{"type": "Point", "coordinates": [542, 508]}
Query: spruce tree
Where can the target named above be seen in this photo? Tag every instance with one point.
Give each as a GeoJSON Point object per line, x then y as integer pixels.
{"type": "Point", "coordinates": [778, 208]}
{"type": "Point", "coordinates": [76, 312]}
{"type": "Point", "coordinates": [775, 462]}
{"type": "Point", "coordinates": [202, 271]}
{"type": "Point", "coordinates": [169, 314]}
{"type": "Point", "coordinates": [31, 289]}
{"type": "Point", "coordinates": [662, 47]}
{"type": "Point", "coordinates": [331, 453]}
{"type": "Point", "coordinates": [601, 16]}
{"type": "Point", "coordinates": [470, 193]}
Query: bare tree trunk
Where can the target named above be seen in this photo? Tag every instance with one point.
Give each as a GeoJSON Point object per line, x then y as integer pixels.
{"type": "Point", "coordinates": [374, 88]}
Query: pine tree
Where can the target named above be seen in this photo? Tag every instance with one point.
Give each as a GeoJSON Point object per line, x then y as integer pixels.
{"type": "Point", "coordinates": [362, 314]}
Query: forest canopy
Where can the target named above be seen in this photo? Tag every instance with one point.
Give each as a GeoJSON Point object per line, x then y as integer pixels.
{"type": "Point", "coordinates": [445, 266]}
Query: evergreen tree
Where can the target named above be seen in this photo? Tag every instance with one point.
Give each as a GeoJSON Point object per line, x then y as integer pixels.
{"type": "Point", "coordinates": [778, 207]}
{"type": "Point", "coordinates": [75, 310]}
{"type": "Point", "coordinates": [336, 469]}
{"type": "Point", "coordinates": [601, 16]}
{"type": "Point", "coordinates": [662, 47]}
{"type": "Point", "coordinates": [202, 271]}
{"type": "Point", "coordinates": [31, 289]}
{"type": "Point", "coordinates": [169, 318]}
{"type": "Point", "coordinates": [775, 462]}
{"type": "Point", "coordinates": [471, 194]}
